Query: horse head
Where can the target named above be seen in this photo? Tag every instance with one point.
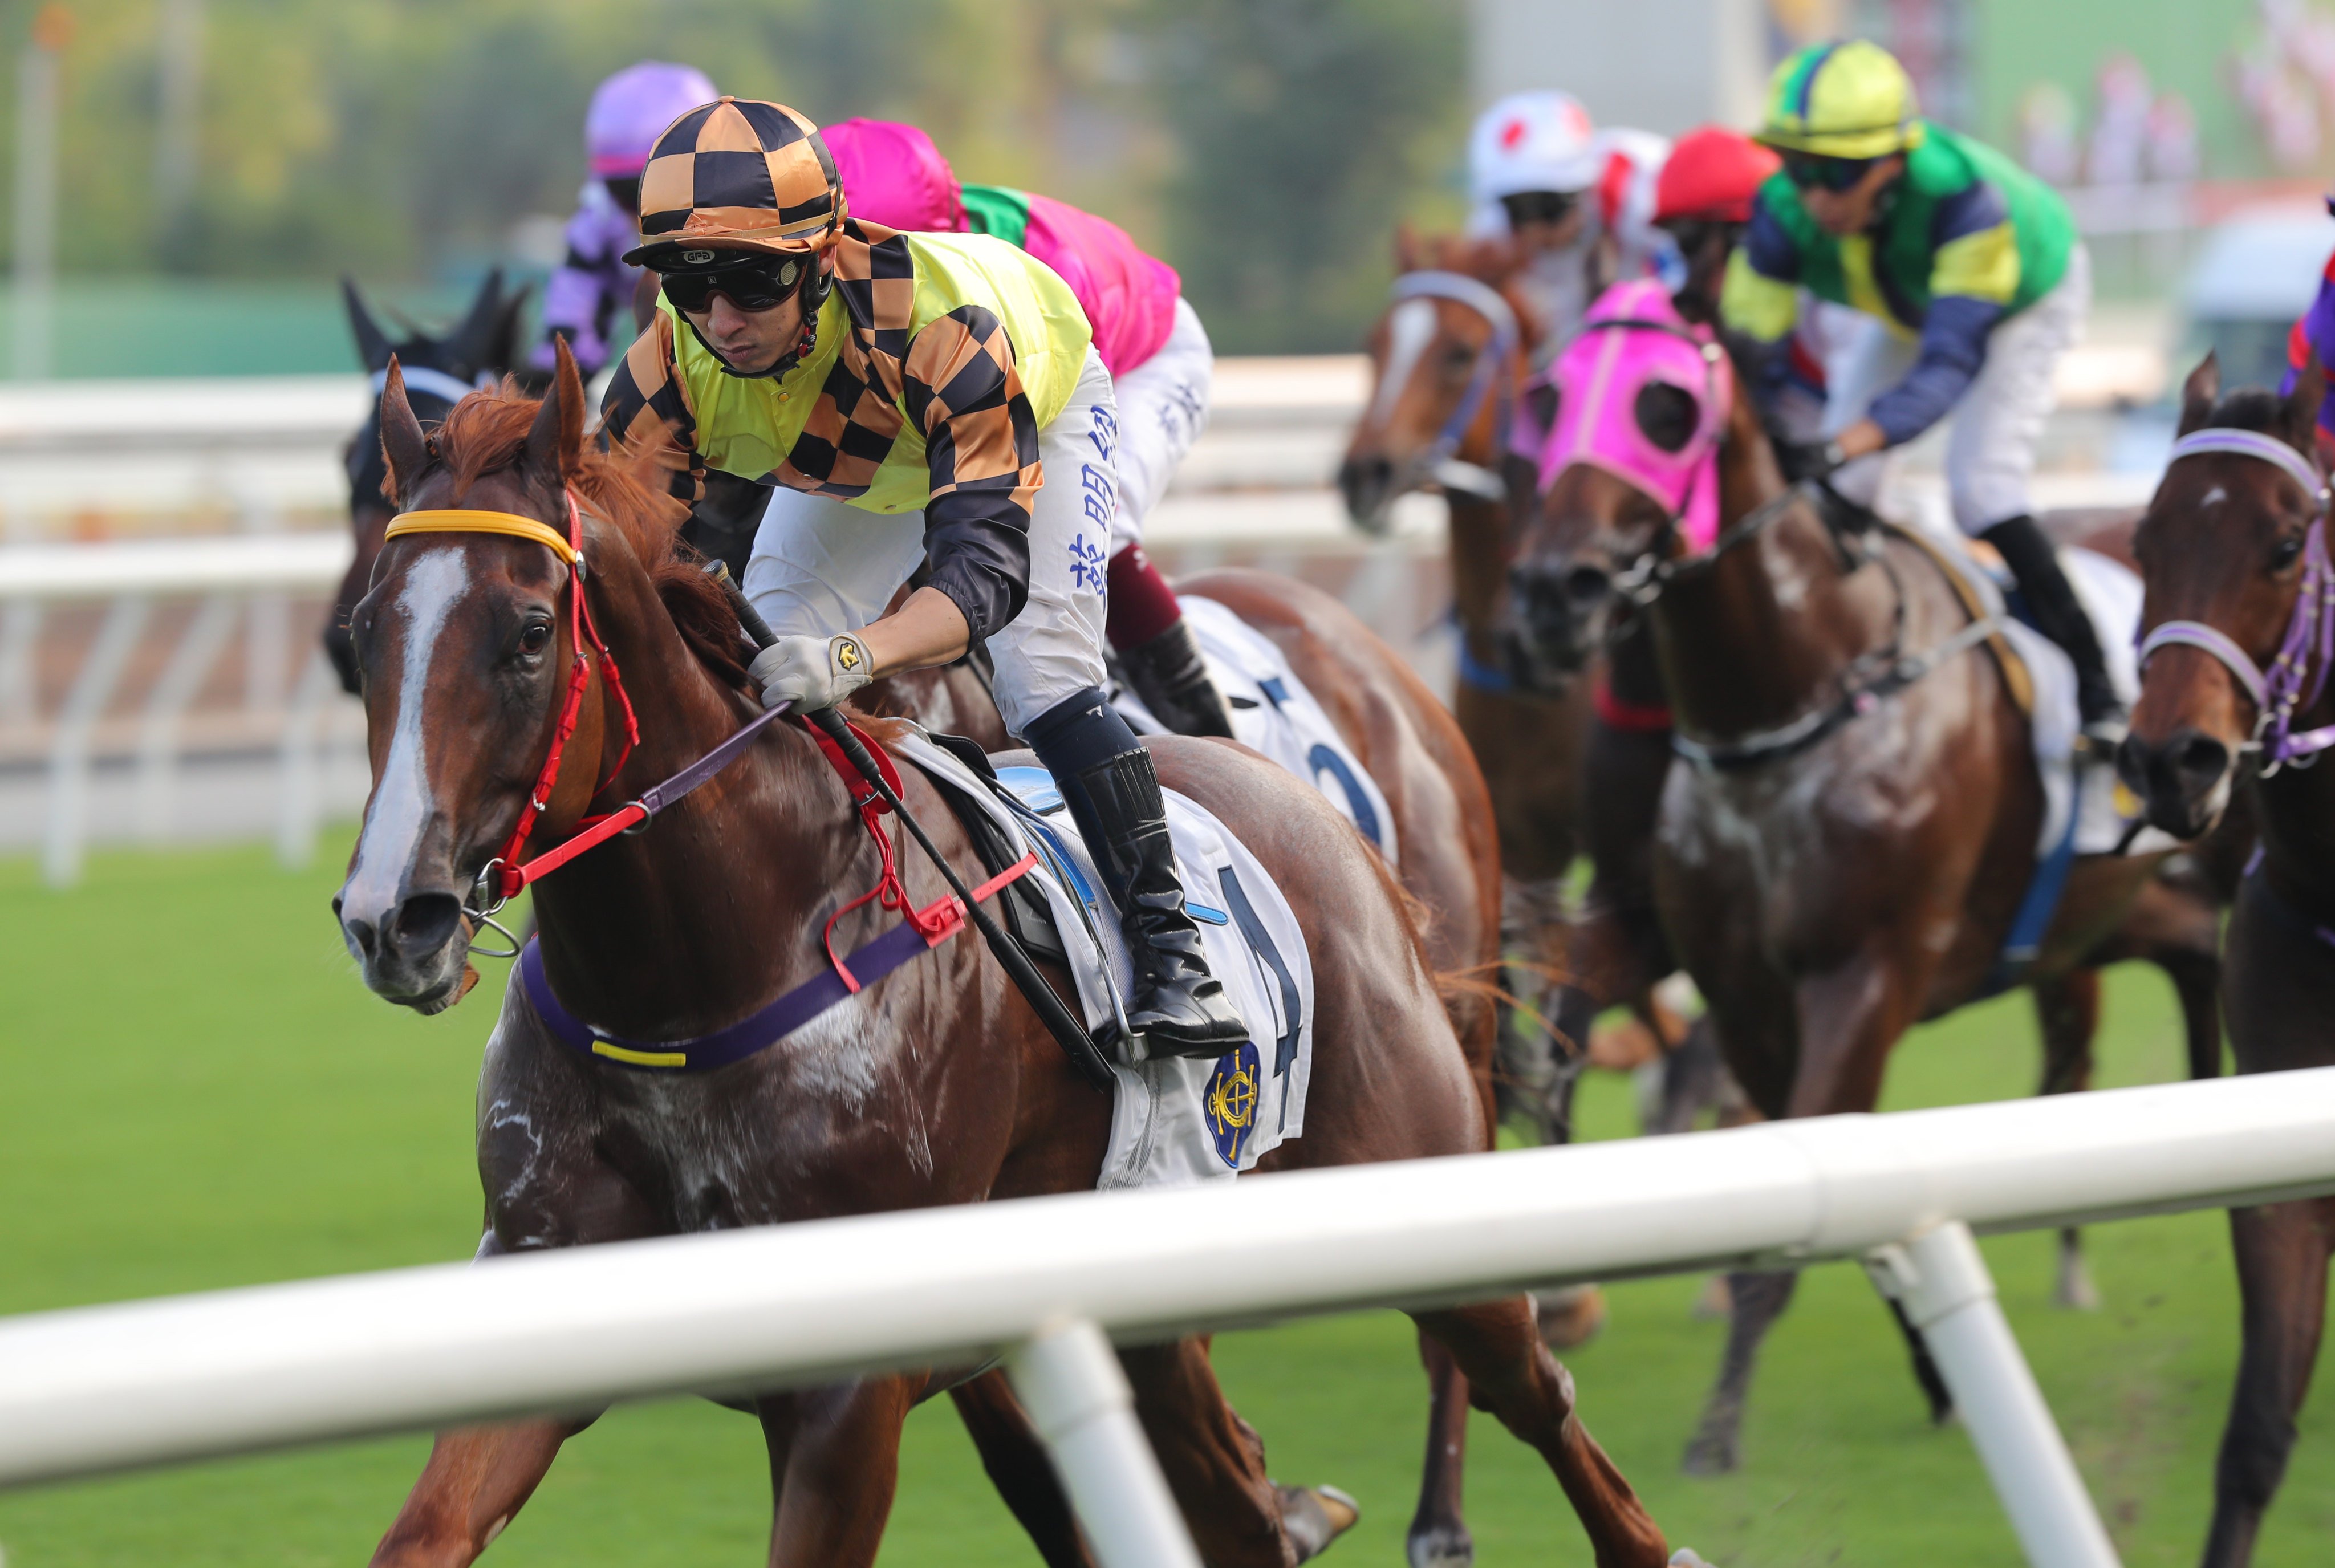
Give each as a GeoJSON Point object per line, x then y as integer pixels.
{"type": "Point", "coordinates": [1447, 360]}
{"type": "Point", "coordinates": [1630, 474]}
{"type": "Point", "coordinates": [468, 642]}
{"type": "Point", "coordinates": [440, 371]}
{"type": "Point", "coordinates": [2224, 551]}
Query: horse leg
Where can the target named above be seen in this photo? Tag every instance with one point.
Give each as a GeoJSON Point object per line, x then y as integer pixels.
{"type": "Point", "coordinates": [1439, 1536]}
{"type": "Point", "coordinates": [834, 1464]}
{"type": "Point", "coordinates": [1511, 1374]}
{"type": "Point", "coordinates": [2281, 1252]}
{"type": "Point", "coordinates": [477, 1479]}
{"type": "Point", "coordinates": [2067, 1010]}
{"type": "Point", "coordinates": [1213, 1460]}
{"type": "Point", "coordinates": [1018, 1467]}
{"type": "Point", "coordinates": [1530, 1057]}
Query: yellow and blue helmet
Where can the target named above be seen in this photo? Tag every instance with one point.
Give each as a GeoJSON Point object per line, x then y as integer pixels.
{"type": "Point", "coordinates": [1849, 100]}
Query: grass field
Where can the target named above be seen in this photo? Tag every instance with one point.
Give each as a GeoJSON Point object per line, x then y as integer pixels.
{"type": "Point", "coordinates": [196, 1091]}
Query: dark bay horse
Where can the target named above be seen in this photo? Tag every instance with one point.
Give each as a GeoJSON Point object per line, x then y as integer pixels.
{"type": "Point", "coordinates": [935, 1085]}
{"type": "Point", "coordinates": [439, 372]}
{"type": "Point", "coordinates": [1851, 859]}
{"type": "Point", "coordinates": [2233, 552]}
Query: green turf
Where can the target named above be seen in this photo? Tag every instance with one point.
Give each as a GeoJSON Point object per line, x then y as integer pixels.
{"type": "Point", "coordinates": [195, 1091]}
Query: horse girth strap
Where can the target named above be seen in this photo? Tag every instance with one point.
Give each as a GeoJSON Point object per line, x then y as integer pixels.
{"type": "Point", "coordinates": [457, 521]}
{"type": "Point", "coordinates": [2017, 680]}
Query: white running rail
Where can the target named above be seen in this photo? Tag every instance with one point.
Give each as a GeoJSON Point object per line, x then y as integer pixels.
{"type": "Point", "coordinates": [109, 1387]}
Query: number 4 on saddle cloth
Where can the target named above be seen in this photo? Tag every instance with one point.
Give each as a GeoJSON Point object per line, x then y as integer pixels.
{"type": "Point", "coordinates": [1273, 713]}
{"type": "Point", "coordinates": [1174, 1121]}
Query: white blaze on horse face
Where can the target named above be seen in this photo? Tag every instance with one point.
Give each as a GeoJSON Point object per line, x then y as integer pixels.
{"type": "Point", "coordinates": [401, 802]}
{"type": "Point", "coordinates": [1410, 327]}
{"type": "Point", "coordinates": [2214, 498]}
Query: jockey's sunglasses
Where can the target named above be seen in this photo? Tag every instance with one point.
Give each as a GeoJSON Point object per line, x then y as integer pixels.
{"type": "Point", "coordinates": [1549, 206]}
{"type": "Point", "coordinates": [1810, 172]}
{"type": "Point", "coordinates": [751, 285]}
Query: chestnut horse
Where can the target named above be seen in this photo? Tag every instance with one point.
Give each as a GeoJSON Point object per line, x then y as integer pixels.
{"type": "Point", "coordinates": [2233, 552]}
{"type": "Point", "coordinates": [1851, 859]}
{"type": "Point", "coordinates": [935, 1085]}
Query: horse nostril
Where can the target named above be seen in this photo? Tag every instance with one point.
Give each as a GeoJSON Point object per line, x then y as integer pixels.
{"type": "Point", "coordinates": [363, 937]}
{"type": "Point", "coordinates": [1587, 587]}
{"type": "Point", "coordinates": [424, 922]}
{"type": "Point", "coordinates": [2199, 760]}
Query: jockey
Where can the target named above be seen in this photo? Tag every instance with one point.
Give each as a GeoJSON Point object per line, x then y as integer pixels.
{"type": "Point", "coordinates": [1149, 339]}
{"type": "Point", "coordinates": [2314, 333]}
{"type": "Point", "coordinates": [947, 387]}
{"type": "Point", "coordinates": [1974, 267]}
{"type": "Point", "coordinates": [1578, 200]}
{"type": "Point", "coordinates": [589, 298]}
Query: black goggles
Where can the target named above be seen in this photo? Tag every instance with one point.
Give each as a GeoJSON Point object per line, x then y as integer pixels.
{"type": "Point", "coordinates": [1549, 206]}
{"type": "Point", "coordinates": [751, 285]}
{"type": "Point", "coordinates": [1810, 172]}
{"type": "Point", "coordinates": [1691, 235]}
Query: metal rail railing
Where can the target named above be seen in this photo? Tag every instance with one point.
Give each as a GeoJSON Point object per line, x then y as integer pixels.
{"type": "Point", "coordinates": [1041, 1281]}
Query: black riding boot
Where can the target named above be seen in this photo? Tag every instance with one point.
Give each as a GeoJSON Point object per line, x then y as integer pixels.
{"type": "Point", "coordinates": [1169, 674]}
{"type": "Point", "coordinates": [2051, 600]}
{"type": "Point", "coordinates": [1177, 1007]}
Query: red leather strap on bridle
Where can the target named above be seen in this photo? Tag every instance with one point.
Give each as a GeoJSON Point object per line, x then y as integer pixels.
{"type": "Point", "coordinates": [510, 874]}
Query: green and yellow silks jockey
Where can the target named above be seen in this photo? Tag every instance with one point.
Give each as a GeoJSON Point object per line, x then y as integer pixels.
{"type": "Point", "coordinates": [1973, 275]}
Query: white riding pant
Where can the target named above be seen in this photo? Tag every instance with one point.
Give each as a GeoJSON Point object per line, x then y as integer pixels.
{"type": "Point", "coordinates": [821, 566]}
{"type": "Point", "coordinates": [1997, 424]}
{"type": "Point", "coordinates": [1163, 407]}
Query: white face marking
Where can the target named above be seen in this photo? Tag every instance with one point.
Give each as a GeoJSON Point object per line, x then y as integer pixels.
{"type": "Point", "coordinates": [2214, 497]}
{"type": "Point", "coordinates": [1410, 327]}
{"type": "Point", "coordinates": [401, 802]}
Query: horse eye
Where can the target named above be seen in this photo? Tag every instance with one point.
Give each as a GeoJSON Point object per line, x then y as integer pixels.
{"type": "Point", "coordinates": [2285, 553]}
{"type": "Point", "coordinates": [536, 637]}
{"type": "Point", "coordinates": [1459, 357]}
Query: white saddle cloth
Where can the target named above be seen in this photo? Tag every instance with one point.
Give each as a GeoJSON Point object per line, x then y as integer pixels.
{"type": "Point", "coordinates": [1273, 713]}
{"type": "Point", "coordinates": [1175, 1120]}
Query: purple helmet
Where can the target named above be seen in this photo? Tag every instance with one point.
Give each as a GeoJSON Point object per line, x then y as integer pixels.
{"type": "Point", "coordinates": [630, 109]}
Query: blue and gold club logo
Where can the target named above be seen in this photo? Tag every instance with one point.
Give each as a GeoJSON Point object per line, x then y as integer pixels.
{"type": "Point", "coordinates": [1230, 1102]}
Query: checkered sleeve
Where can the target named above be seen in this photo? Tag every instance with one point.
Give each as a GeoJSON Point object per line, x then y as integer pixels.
{"type": "Point", "coordinates": [647, 405]}
{"type": "Point", "coordinates": [961, 386]}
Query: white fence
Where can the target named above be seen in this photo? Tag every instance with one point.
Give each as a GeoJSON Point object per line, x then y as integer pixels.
{"type": "Point", "coordinates": [1038, 1281]}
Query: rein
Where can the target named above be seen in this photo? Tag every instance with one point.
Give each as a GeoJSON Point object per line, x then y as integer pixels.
{"type": "Point", "coordinates": [2298, 675]}
{"type": "Point", "coordinates": [1440, 462]}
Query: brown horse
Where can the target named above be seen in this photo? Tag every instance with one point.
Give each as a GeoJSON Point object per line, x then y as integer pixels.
{"type": "Point", "coordinates": [935, 1085]}
{"type": "Point", "coordinates": [2230, 545]}
{"type": "Point", "coordinates": [1448, 862]}
{"type": "Point", "coordinates": [1849, 860]}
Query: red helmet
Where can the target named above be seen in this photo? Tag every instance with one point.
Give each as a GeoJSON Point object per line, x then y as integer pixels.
{"type": "Point", "coordinates": [1713, 173]}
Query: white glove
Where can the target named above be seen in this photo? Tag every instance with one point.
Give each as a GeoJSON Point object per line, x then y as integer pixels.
{"type": "Point", "coordinates": [812, 673]}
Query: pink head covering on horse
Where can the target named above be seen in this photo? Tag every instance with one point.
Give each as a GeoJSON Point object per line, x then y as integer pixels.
{"type": "Point", "coordinates": [1631, 339]}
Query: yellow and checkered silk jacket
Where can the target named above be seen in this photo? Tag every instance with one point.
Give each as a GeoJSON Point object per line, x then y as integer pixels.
{"type": "Point", "coordinates": [939, 357]}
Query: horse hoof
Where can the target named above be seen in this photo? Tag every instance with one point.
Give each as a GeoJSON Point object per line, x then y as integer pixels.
{"type": "Point", "coordinates": [1712, 1455]}
{"type": "Point", "coordinates": [1570, 1317]}
{"type": "Point", "coordinates": [1313, 1516]}
{"type": "Point", "coordinates": [1717, 1303]}
{"type": "Point", "coordinates": [1688, 1557]}
{"type": "Point", "coordinates": [1441, 1546]}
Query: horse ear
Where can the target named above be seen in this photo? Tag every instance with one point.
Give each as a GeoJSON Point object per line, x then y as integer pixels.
{"type": "Point", "coordinates": [2200, 392]}
{"type": "Point", "coordinates": [2302, 404]}
{"type": "Point", "coordinates": [373, 343]}
{"type": "Point", "coordinates": [555, 446]}
{"type": "Point", "coordinates": [403, 444]}
{"type": "Point", "coordinates": [471, 344]}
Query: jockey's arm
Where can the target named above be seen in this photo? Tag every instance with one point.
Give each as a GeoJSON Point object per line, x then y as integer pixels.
{"type": "Point", "coordinates": [1759, 302]}
{"type": "Point", "coordinates": [1974, 276]}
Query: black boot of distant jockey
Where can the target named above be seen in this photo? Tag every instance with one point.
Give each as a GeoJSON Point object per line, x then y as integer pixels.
{"type": "Point", "coordinates": [2051, 602]}
{"type": "Point", "coordinates": [1177, 1007]}
{"type": "Point", "coordinates": [1146, 625]}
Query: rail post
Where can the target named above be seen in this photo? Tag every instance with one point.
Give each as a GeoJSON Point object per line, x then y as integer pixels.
{"type": "Point", "coordinates": [85, 705]}
{"type": "Point", "coordinates": [1940, 1279]}
{"type": "Point", "coordinates": [1070, 1381]}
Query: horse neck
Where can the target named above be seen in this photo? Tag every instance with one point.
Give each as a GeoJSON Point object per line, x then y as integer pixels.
{"type": "Point", "coordinates": [1479, 564]}
{"type": "Point", "coordinates": [670, 933]}
{"type": "Point", "coordinates": [1754, 638]}
{"type": "Point", "coordinates": [2297, 805]}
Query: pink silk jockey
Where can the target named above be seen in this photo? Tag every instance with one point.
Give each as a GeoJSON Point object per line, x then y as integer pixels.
{"type": "Point", "coordinates": [892, 175]}
{"type": "Point", "coordinates": [1632, 337]}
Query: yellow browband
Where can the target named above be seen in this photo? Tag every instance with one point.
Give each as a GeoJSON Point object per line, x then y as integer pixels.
{"type": "Point", "coordinates": [456, 521]}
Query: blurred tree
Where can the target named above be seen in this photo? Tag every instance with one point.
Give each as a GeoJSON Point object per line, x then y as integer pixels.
{"type": "Point", "coordinates": [1304, 128]}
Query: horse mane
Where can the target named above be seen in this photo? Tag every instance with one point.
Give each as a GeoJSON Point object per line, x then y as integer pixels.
{"type": "Point", "coordinates": [486, 433]}
{"type": "Point", "coordinates": [2251, 408]}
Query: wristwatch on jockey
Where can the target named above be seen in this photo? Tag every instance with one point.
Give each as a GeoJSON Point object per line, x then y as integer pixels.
{"type": "Point", "coordinates": [742, 201]}
{"type": "Point", "coordinates": [1991, 242]}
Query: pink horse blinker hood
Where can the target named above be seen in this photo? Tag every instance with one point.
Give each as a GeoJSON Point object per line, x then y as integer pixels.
{"type": "Point", "coordinates": [1632, 338]}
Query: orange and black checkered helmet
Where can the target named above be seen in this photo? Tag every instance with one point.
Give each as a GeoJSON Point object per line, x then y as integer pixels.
{"type": "Point", "coordinates": [736, 174]}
